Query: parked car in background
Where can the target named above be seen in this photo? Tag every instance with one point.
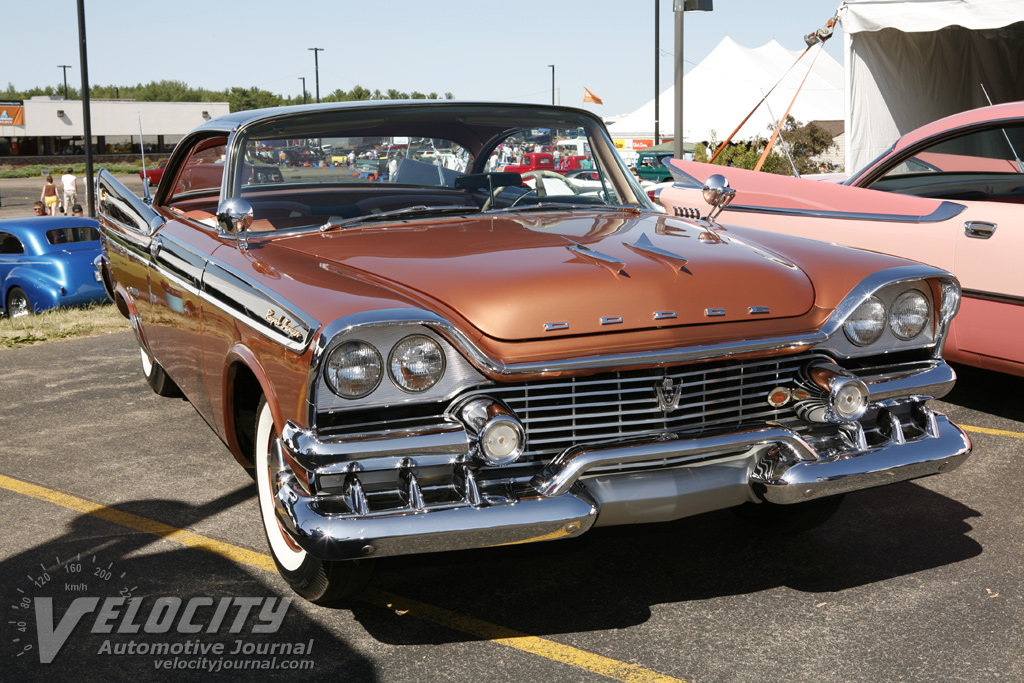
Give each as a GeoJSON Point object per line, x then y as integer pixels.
{"type": "Point", "coordinates": [46, 262]}
{"type": "Point", "coordinates": [950, 194]}
{"type": "Point", "coordinates": [652, 166]}
{"type": "Point", "coordinates": [452, 360]}
{"type": "Point", "coordinates": [154, 173]}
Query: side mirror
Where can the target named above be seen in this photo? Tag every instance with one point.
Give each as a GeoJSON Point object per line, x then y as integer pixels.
{"type": "Point", "coordinates": [234, 216]}
{"type": "Point", "coordinates": [718, 194]}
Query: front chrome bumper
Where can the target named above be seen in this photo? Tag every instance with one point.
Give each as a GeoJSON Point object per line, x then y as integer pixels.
{"type": "Point", "coordinates": [654, 480]}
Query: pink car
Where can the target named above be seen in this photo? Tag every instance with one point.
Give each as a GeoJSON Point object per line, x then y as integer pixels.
{"type": "Point", "coordinates": [950, 194]}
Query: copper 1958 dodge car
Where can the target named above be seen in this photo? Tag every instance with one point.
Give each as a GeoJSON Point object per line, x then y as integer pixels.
{"type": "Point", "coordinates": [950, 194]}
{"type": "Point", "coordinates": [459, 359]}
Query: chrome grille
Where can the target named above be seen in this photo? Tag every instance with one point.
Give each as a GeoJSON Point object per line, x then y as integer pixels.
{"type": "Point", "coordinates": [589, 410]}
{"type": "Point", "coordinates": [561, 413]}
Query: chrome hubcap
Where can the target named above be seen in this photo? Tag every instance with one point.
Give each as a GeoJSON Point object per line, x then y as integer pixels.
{"type": "Point", "coordinates": [18, 307]}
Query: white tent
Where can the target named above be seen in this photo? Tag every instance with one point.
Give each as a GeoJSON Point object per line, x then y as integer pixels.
{"type": "Point", "coordinates": [722, 89]}
{"type": "Point", "coordinates": [910, 62]}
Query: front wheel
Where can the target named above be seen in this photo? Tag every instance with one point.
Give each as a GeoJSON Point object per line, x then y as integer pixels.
{"type": "Point", "coordinates": [18, 305]}
{"type": "Point", "coordinates": [318, 581]}
{"type": "Point", "coordinates": [789, 520]}
{"type": "Point", "coordinates": [158, 380]}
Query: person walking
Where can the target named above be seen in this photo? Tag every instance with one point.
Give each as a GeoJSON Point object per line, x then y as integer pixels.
{"type": "Point", "coordinates": [49, 196]}
{"type": "Point", "coordinates": [70, 186]}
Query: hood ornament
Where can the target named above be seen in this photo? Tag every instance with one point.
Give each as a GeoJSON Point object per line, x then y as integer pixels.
{"type": "Point", "coordinates": [645, 247]}
{"type": "Point", "coordinates": [604, 260]}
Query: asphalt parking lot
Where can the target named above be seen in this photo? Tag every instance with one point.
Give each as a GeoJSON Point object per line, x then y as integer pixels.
{"type": "Point", "coordinates": [108, 491]}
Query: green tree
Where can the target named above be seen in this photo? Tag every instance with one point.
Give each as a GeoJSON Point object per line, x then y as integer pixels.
{"type": "Point", "coordinates": [242, 99]}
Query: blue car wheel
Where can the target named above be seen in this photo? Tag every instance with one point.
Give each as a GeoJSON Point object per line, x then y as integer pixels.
{"type": "Point", "coordinates": [18, 305]}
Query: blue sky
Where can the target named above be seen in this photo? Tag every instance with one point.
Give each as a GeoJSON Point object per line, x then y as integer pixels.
{"type": "Point", "coordinates": [475, 49]}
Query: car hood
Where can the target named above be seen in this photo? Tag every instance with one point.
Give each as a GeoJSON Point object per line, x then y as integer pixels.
{"type": "Point", "coordinates": [544, 275]}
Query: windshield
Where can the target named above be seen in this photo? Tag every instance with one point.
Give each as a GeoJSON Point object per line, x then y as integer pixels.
{"type": "Point", "coordinates": [343, 166]}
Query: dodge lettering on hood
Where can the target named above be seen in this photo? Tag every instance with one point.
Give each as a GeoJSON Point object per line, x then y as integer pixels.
{"type": "Point", "coordinates": [429, 353]}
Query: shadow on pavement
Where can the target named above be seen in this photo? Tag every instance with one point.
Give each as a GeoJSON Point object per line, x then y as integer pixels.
{"type": "Point", "coordinates": [988, 392]}
{"type": "Point", "coordinates": [612, 577]}
{"type": "Point", "coordinates": [97, 559]}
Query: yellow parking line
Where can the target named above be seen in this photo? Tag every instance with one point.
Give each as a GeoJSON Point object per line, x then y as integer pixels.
{"type": "Point", "coordinates": [549, 649]}
{"type": "Point", "coordinates": [996, 432]}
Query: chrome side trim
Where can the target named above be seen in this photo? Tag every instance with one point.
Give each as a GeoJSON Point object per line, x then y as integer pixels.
{"type": "Point", "coordinates": [248, 303]}
{"type": "Point", "coordinates": [943, 212]}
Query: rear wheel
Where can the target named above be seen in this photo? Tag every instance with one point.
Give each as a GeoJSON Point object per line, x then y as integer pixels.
{"type": "Point", "coordinates": [18, 305]}
{"type": "Point", "coordinates": [316, 580]}
{"type": "Point", "coordinates": [157, 378]}
{"type": "Point", "coordinates": [789, 520]}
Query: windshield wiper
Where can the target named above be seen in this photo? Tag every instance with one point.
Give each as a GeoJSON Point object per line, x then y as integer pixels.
{"type": "Point", "coordinates": [419, 209]}
{"type": "Point", "coordinates": [546, 206]}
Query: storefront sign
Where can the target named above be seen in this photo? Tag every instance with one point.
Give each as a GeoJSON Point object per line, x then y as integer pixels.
{"type": "Point", "coordinates": [12, 113]}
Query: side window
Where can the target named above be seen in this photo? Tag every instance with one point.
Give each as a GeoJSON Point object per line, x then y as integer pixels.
{"type": "Point", "coordinates": [982, 165]}
{"type": "Point", "coordinates": [9, 244]}
{"type": "Point", "coordinates": [202, 172]}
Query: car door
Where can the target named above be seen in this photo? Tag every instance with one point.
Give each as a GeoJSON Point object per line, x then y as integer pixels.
{"type": "Point", "coordinates": [979, 169]}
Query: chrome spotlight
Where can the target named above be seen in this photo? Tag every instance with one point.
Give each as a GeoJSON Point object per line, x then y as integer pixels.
{"type": "Point", "coordinates": [499, 435]}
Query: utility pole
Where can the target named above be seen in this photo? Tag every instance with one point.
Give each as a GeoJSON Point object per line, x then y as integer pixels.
{"type": "Point", "coordinates": [316, 63]}
{"type": "Point", "coordinates": [65, 67]}
{"type": "Point", "coordinates": [90, 186]}
{"type": "Point", "coordinates": [657, 74]}
{"type": "Point", "coordinates": [552, 83]}
{"type": "Point", "coordinates": [303, 79]}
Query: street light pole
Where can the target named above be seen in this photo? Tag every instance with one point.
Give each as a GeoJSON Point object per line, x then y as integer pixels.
{"type": "Point", "coordinates": [681, 7]}
{"type": "Point", "coordinates": [657, 74]}
{"type": "Point", "coordinates": [552, 83]}
{"type": "Point", "coordinates": [65, 67]}
{"type": "Point", "coordinates": [303, 79]}
{"type": "Point", "coordinates": [316, 63]}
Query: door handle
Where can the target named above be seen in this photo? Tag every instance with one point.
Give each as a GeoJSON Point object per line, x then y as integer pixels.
{"type": "Point", "coordinates": [981, 230]}
{"type": "Point", "coordinates": [155, 246]}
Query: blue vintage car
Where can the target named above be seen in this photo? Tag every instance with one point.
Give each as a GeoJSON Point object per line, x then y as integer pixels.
{"type": "Point", "coordinates": [46, 261]}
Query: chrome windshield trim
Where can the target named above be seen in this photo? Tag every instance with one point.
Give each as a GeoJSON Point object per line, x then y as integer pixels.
{"type": "Point", "coordinates": [943, 212]}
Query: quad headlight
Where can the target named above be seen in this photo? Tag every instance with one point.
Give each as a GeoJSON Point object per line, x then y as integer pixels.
{"type": "Point", "coordinates": [909, 315]}
{"type": "Point", "coordinates": [866, 324]}
{"type": "Point", "coordinates": [416, 363]}
{"type": "Point", "coordinates": [354, 369]}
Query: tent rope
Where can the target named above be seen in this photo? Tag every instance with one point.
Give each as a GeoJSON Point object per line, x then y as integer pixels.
{"type": "Point", "coordinates": [756, 106]}
{"type": "Point", "coordinates": [785, 117]}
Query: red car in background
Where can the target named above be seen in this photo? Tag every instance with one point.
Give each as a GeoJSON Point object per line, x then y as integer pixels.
{"type": "Point", "coordinates": [154, 174]}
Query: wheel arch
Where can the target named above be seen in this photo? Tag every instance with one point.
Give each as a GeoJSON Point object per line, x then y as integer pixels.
{"type": "Point", "coordinates": [244, 382]}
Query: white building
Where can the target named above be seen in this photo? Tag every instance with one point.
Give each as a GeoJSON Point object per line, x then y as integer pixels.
{"type": "Point", "coordinates": [48, 126]}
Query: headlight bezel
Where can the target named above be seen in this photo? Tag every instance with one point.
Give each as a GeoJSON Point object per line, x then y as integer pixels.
{"type": "Point", "coordinates": [940, 289]}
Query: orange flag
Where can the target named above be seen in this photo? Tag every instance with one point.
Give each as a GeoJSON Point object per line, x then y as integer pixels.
{"type": "Point", "coordinates": [591, 97]}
